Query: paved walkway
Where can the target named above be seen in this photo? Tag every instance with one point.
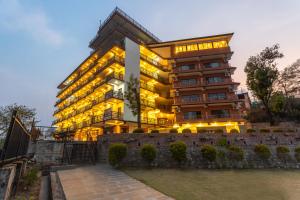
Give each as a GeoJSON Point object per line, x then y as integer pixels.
{"type": "Point", "coordinates": [102, 182]}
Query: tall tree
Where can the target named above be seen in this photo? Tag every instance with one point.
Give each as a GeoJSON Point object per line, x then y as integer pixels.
{"type": "Point", "coordinates": [132, 95]}
{"type": "Point", "coordinates": [262, 74]}
{"type": "Point", "coordinates": [289, 79]}
{"type": "Point", "coordinates": [25, 114]}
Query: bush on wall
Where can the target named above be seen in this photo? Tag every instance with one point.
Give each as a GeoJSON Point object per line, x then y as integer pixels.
{"type": "Point", "coordinates": [148, 152]}
{"type": "Point", "coordinates": [173, 130]}
{"type": "Point", "coordinates": [138, 130]}
{"type": "Point", "coordinates": [282, 152]}
{"type": "Point", "coordinates": [250, 130]}
{"type": "Point", "coordinates": [209, 153]}
{"type": "Point", "coordinates": [234, 131]}
{"type": "Point", "coordinates": [264, 130]}
{"type": "Point", "coordinates": [186, 130]}
{"type": "Point", "coordinates": [222, 142]}
{"type": "Point", "coordinates": [235, 153]}
{"type": "Point", "coordinates": [155, 131]}
{"type": "Point", "coordinates": [297, 154]}
{"type": "Point", "coordinates": [178, 151]}
{"type": "Point", "coordinates": [262, 151]}
{"type": "Point", "coordinates": [116, 153]}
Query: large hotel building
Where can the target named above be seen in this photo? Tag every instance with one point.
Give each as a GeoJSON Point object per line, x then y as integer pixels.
{"type": "Point", "coordinates": [184, 83]}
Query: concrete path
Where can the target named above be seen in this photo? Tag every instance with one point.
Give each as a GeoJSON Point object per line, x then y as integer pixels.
{"type": "Point", "coordinates": [102, 182]}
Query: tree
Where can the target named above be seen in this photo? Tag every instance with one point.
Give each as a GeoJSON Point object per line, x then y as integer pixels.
{"type": "Point", "coordinates": [132, 95]}
{"type": "Point", "coordinates": [289, 79]}
{"type": "Point", "coordinates": [262, 74]}
{"type": "Point", "coordinates": [24, 113]}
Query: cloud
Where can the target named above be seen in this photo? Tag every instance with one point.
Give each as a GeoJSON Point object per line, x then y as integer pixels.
{"type": "Point", "coordinates": [34, 22]}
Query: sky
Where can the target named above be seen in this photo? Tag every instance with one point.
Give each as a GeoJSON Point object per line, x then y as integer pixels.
{"type": "Point", "coordinates": [42, 41]}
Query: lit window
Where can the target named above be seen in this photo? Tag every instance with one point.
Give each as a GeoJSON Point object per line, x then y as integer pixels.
{"type": "Point", "coordinates": [192, 47]}
{"type": "Point", "coordinates": [192, 115]}
{"type": "Point", "coordinates": [220, 44]}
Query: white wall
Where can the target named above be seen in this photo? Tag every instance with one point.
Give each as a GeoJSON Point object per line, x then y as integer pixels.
{"type": "Point", "coordinates": [132, 66]}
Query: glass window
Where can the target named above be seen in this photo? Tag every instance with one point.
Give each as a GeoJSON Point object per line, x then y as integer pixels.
{"type": "Point", "coordinates": [215, 79]}
{"type": "Point", "coordinates": [192, 47]}
{"type": "Point", "coordinates": [192, 115]}
{"type": "Point", "coordinates": [220, 44]}
{"type": "Point", "coordinates": [220, 113]}
{"type": "Point", "coordinates": [190, 98]}
{"type": "Point", "coordinates": [217, 96]}
{"type": "Point", "coordinates": [187, 67]}
{"type": "Point", "coordinates": [212, 65]}
{"type": "Point", "coordinates": [188, 81]}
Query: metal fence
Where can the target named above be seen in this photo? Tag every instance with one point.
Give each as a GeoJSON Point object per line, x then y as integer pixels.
{"type": "Point", "coordinates": [16, 141]}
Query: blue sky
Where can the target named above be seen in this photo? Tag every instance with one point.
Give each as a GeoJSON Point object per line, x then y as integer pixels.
{"type": "Point", "coordinates": [42, 41]}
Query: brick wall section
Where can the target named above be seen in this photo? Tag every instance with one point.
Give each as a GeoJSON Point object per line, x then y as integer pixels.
{"type": "Point", "coordinates": [194, 143]}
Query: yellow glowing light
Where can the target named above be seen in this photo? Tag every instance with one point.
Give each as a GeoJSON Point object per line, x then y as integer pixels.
{"type": "Point", "coordinates": [176, 126]}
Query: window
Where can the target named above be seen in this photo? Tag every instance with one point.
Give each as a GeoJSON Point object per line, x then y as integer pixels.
{"type": "Point", "coordinates": [192, 47]}
{"type": "Point", "coordinates": [187, 82]}
{"type": "Point", "coordinates": [192, 115]}
{"type": "Point", "coordinates": [220, 44]}
{"type": "Point", "coordinates": [190, 98]}
{"type": "Point", "coordinates": [187, 67]}
{"type": "Point", "coordinates": [217, 96]}
{"type": "Point", "coordinates": [212, 65]}
{"type": "Point", "coordinates": [201, 46]}
{"type": "Point", "coordinates": [204, 46]}
{"type": "Point", "coordinates": [215, 79]}
{"type": "Point", "coordinates": [220, 113]}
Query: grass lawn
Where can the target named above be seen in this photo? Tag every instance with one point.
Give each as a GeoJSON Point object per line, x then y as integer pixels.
{"type": "Point", "coordinates": [222, 184]}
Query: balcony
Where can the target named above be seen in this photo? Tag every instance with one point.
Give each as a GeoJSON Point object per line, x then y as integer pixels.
{"type": "Point", "coordinates": [146, 103]}
{"type": "Point", "coordinates": [92, 77]}
{"type": "Point", "coordinates": [112, 116]}
{"type": "Point", "coordinates": [114, 94]}
{"type": "Point", "coordinates": [224, 81]}
{"type": "Point", "coordinates": [187, 85]}
{"type": "Point", "coordinates": [146, 120]}
{"type": "Point", "coordinates": [219, 117]}
{"type": "Point", "coordinates": [148, 87]}
{"type": "Point", "coordinates": [226, 99]}
{"type": "Point", "coordinates": [181, 101]}
{"type": "Point", "coordinates": [154, 75]}
{"type": "Point", "coordinates": [154, 62]}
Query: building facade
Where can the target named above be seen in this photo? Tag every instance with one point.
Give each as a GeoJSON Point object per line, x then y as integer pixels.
{"type": "Point", "coordinates": [183, 84]}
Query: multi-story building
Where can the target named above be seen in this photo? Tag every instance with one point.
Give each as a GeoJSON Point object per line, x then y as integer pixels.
{"type": "Point", "coordinates": [183, 84]}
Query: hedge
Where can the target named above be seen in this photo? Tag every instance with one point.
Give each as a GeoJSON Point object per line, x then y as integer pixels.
{"type": "Point", "coordinates": [116, 153]}
{"type": "Point", "coordinates": [262, 151]}
{"type": "Point", "coordinates": [235, 153]}
{"type": "Point", "coordinates": [209, 153]}
{"type": "Point", "coordinates": [138, 130]}
{"type": "Point", "coordinates": [297, 154]}
{"type": "Point", "coordinates": [178, 151]}
{"type": "Point", "coordinates": [155, 131]}
{"type": "Point", "coordinates": [282, 152]}
{"type": "Point", "coordinates": [173, 130]}
{"type": "Point", "coordinates": [186, 130]}
{"type": "Point", "coordinates": [148, 152]}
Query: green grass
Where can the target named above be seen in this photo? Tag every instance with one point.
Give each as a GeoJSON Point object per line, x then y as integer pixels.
{"type": "Point", "coordinates": [222, 184]}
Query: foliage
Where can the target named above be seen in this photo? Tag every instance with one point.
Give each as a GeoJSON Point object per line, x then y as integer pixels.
{"type": "Point", "coordinates": [234, 131]}
{"type": "Point", "coordinates": [173, 130]}
{"type": "Point", "coordinates": [264, 130]}
{"type": "Point", "coordinates": [138, 130]}
{"type": "Point", "coordinates": [277, 103]}
{"type": "Point", "coordinates": [222, 142]}
{"type": "Point", "coordinates": [209, 153]}
{"type": "Point", "coordinates": [201, 131]}
{"type": "Point", "coordinates": [282, 152]}
{"type": "Point", "coordinates": [235, 153]}
{"type": "Point", "coordinates": [30, 177]}
{"type": "Point", "coordinates": [148, 152]}
{"type": "Point", "coordinates": [297, 153]}
{"type": "Point", "coordinates": [290, 130]}
{"type": "Point", "coordinates": [116, 153]}
{"type": "Point", "coordinates": [25, 114]}
{"type": "Point", "coordinates": [221, 155]}
{"type": "Point", "coordinates": [262, 151]}
{"type": "Point", "coordinates": [277, 131]}
{"type": "Point", "coordinates": [178, 151]}
{"type": "Point", "coordinates": [250, 130]}
{"type": "Point", "coordinates": [154, 131]}
{"type": "Point", "coordinates": [219, 131]}
{"type": "Point", "coordinates": [262, 74]}
{"type": "Point", "coordinates": [132, 95]}
{"type": "Point", "coordinates": [186, 130]}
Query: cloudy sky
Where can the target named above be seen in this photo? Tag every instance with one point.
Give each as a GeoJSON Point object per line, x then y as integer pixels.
{"type": "Point", "coordinates": [42, 41]}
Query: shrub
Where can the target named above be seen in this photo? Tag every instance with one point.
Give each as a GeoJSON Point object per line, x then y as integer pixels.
{"type": "Point", "coordinates": [235, 153]}
{"type": "Point", "coordinates": [148, 152]}
{"type": "Point", "coordinates": [262, 151]}
{"type": "Point", "coordinates": [201, 131]}
{"type": "Point", "coordinates": [219, 131]}
{"type": "Point", "coordinates": [282, 152]}
{"type": "Point", "coordinates": [155, 131]}
{"type": "Point", "coordinates": [222, 142]}
{"type": "Point", "coordinates": [234, 131]}
{"type": "Point", "coordinates": [138, 130]}
{"type": "Point", "coordinates": [290, 130]}
{"type": "Point", "coordinates": [297, 154]}
{"type": "Point", "coordinates": [186, 130]}
{"type": "Point", "coordinates": [30, 177]}
{"type": "Point", "coordinates": [251, 130]}
{"type": "Point", "coordinates": [264, 130]}
{"type": "Point", "coordinates": [116, 153]}
{"type": "Point", "coordinates": [209, 153]}
{"type": "Point", "coordinates": [178, 151]}
{"type": "Point", "coordinates": [221, 155]}
{"type": "Point", "coordinates": [277, 131]}
{"type": "Point", "coordinates": [173, 130]}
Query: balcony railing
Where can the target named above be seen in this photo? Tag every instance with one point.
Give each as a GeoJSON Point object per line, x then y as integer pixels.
{"type": "Point", "coordinates": [112, 116]}
{"type": "Point", "coordinates": [108, 95]}
{"type": "Point", "coordinates": [147, 87]}
{"type": "Point", "coordinates": [155, 76]}
{"type": "Point", "coordinates": [145, 102]}
{"type": "Point", "coordinates": [180, 118]}
{"type": "Point", "coordinates": [187, 85]}
{"type": "Point", "coordinates": [147, 120]}
{"type": "Point", "coordinates": [188, 101]}
{"type": "Point", "coordinates": [224, 81]}
{"type": "Point", "coordinates": [154, 62]}
{"type": "Point", "coordinates": [92, 77]}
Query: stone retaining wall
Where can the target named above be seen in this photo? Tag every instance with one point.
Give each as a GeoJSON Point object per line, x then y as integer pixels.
{"type": "Point", "coordinates": [194, 143]}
